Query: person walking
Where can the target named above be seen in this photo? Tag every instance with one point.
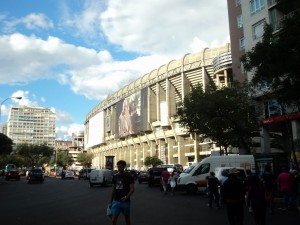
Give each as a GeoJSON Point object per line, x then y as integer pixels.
{"type": "Point", "coordinates": [233, 195]}
{"type": "Point", "coordinates": [165, 175]}
{"type": "Point", "coordinates": [256, 198]}
{"type": "Point", "coordinates": [222, 179]}
{"type": "Point", "coordinates": [285, 180]}
{"type": "Point", "coordinates": [297, 180]}
{"type": "Point", "coordinates": [173, 180]}
{"type": "Point", "coordinates": [213, 190]}
{"type": "Point", "coordinates": [123, 188]}
{"type": "Point", "coordinates": [295, 189]}
{"type": "Point", "coordinates": [269, 182]}
{"type": "Point", "coordinates": [248, 184]}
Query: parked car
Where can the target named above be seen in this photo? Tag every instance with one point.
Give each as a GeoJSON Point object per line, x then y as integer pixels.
{"type": "Point", "coordinates": [35, 175]}
{"type": "Point", "coordinates": [12, 174]}
{"type": "Point", "coordinates": [101, 177]}
{"type": "Point", "coordinates": [69, 175]}
{"type": "Point", "coordinates": [143, 177]}
{"type": "Point", "coordinates": [84, 173]}
{"type": "Point", "coordinates": [220, 170]}
{"type": "Point", "coordinates": [154, 176]}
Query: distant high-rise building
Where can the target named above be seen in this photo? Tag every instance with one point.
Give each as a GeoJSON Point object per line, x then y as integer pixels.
{"type": "Point", "coordinates": [32, 125]}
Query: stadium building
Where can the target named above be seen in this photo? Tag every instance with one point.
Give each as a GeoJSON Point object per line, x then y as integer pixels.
{"type": "Point", "coordinates": [139, 120]}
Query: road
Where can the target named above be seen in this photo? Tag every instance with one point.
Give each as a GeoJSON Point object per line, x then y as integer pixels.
{"type": "Point", "coordinates": [73, 202]}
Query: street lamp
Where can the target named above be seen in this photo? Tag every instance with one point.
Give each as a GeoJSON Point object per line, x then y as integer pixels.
{"type": "Point", "coordinates": [1, 108]}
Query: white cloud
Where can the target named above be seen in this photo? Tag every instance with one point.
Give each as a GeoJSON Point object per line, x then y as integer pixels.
{"type": "Point", "coordinates": [157, 30]}
{"type": "Point", "coordinates": [63, 117]}
{"type": "Point", "coordinates": [85, 23]}
{"type": "Point", "coordinates": [33, 21]}
{"type": "Point", "coordinates": [28, 58]}
{"type": "Point", "coordinates": [13, 100]}
{"type": "Point", "coordinates": [165, 27]}
{"type": "Point", "coordinates": [65, 132]}
{"type": "Point", "coordinates": [25, 59]}
{"type": "Point", "coordinates": [27, 98]}
{"type": "Point", "coordinates": [129, 24]}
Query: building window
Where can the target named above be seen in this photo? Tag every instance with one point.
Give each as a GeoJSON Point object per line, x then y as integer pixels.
{"type": "Point", "coordinates": [237, 3]}
{"type": "Point", "coordinates": [242, 43]}
{"type": "Point", "coordinates": [275, 19]}
{"type": "Point", "coordinates": [272, 2]}
{"type": "Point", "coordinates": [239, 21]}
{"type": "Point", "coordinates": [258, 29]}
{"type": "Point", "coordinates": [256, 6]}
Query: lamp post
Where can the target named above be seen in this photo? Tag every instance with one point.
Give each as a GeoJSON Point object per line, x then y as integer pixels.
{"type": "Point", "coordinates": [1, 108]}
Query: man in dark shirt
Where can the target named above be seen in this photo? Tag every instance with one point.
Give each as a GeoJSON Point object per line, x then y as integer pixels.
{"type": "Point", "coordinates": [213, 184]}
{"type": "Point", "coordinates": [233, 194]}
{"type": "Point", "coordinates": [123, 188]}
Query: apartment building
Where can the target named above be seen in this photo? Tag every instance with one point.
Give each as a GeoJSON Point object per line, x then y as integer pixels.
{"type": "Point", "coordinates": [32, 125]}
{"type": "Point", "coordinates": [71, 148]}
{"type": "Point", "coordinates": [76, 147]}
{"type": "Point", "coordinates": [139, 119]}
{"type": "Point", "coordinates": [246, 23]}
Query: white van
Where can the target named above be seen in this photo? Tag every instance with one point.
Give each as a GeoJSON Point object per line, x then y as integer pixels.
{"type": "Point", "coordinates": [100, 177]}
{"type": "Point", "coordinates": [194, 179]}
{"type": "Point", "coordinates": [220, 170]}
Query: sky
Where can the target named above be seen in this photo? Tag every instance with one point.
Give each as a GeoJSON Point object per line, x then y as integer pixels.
{"type": "Point", "coordinates": [69, 55]}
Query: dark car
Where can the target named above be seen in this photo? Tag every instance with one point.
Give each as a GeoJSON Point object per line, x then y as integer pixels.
{"type": "Point", "coordinates": [143, 177]}
{"type": "Point", "coordinates": [154, 175]}
{"type": "Point", "coordinates": [12, 174]}
{"type": "Point", "coordinates": [84, 173]}
{"type": "Point", "coordinates": [35, 175]}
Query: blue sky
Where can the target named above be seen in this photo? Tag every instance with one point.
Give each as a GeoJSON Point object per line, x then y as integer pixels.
{"type": "Point", "coordinates": [68, 55]}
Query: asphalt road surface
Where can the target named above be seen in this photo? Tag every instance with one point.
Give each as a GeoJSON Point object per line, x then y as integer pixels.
{"type": "Point", "coordinates": [73, 202]}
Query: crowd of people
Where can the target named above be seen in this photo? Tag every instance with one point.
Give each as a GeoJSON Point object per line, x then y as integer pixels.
{"type": "Point", "coordinates": [255, 192]}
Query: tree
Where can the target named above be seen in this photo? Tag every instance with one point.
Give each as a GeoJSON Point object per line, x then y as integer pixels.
{"type": "Point", "coordinates": [226, 116]}
{"type": "Point", "coordinates": [63, 159]}
{"type": "Point", "coordinates": [85, 159]}
{"type": "Point", "coordinates": [153, 161]}
{"type": "Point", "coordinates": [274, 63]}
{"type": "Point", "coordinates": [34, 154]}
{"type": "Point", "coordinates": [5, 144]}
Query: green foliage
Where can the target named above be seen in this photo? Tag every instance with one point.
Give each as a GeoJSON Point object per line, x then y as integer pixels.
{"type": "Point", "coordinates": [34, 155]}
{"type": "Point", "coordinates": [85, 159]}
{"type": "Point", "coordinates": [63, 159]}
{"type": "Point", "coordinates": [274, 61]}
{"type": "Point", "coordinates": [153, 161]}
{"type": "Point", "coordinates": [4, 160]}
{"type": "Point", "coordinates": [5, 145]}
{"type": "Point", "coordinates": [226, 116]}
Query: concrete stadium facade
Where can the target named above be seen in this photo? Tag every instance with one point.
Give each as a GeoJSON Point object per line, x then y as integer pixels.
{"type": "Point", "coordinates": [139, 120]}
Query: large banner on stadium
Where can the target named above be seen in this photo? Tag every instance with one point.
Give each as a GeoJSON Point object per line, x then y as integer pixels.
{"type": "Point", "coordinates": [131, 114]}
{"type": "Point", "coordinates": [96, 130]}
